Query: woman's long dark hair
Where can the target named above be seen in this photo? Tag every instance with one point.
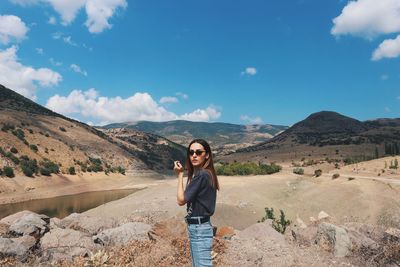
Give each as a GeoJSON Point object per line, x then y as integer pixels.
{"type": "Point", "coordinates": [208, 163]}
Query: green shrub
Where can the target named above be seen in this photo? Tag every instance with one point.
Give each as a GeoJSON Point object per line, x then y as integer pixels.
{"type": "Point", "coordinates": [30, 131]}
{"type": "Point", "coordinates": [33, 147]}
{"type": "Point", "coordinates": [7, 127]}
{"type": "Point", "coordinates": [71, 170]}
{"type": "Point", "coordinates": [26, 142]}
{"type": "Point", "coordinates": [351, 178]}
{"type": "Point", "coordinates": [246, 169]}
{"type": "Point", "coordinates": [45, 171]}
{"type": "Point", "coordinates": [95, 165]}
{"type": "Point", "coordinates": [335, 176]}
{"type": "Point", "coordinates": [14, 150]}
{"type": "Point", "coordinates": [51, 166]}
{"type": "Point", "coordinates": [19, 133]}
{"type": "Point", "coordinates": [62, 129]}
{"type": "Point", "coordinates": [279, 225]}
{"type": "Point", "coordinates": [394, 164]}
{"type": "Point", "coordinates": [29, 166]}
{"type": "Point", "coordinates": [299, 171]}
{"type": "Point", "coordinates": [121, 170]}
{"type": "Point", "coordinates": [8, 171]}
{"type": "Point", "coordinates": [318, 173]}
{"type": "Point", "coordinates": [12, 157]}
{"type": "Point", "coordinates": [47, 135]}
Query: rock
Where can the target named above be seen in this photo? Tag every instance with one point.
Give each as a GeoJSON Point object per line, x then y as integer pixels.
{"type": "Point", "coordinates": [262, 231]}
{"type": "Point", "coordinates": [4, 229]}
{"type": "Point", "coordinates": [30, 224]}
{"type": "Point", "coordinates": [65, 244]}
{"type": "Point", "coordinates": [123, 234]}
{"type": "Point", "coordinates": [225, 232]}
{"type": "Point", "coordinates": [323, 215]}
{"type": "Point", "coordinates": [334, 238]}
{"type": "Point", "coordinates": [13, 217]}
{"type": "Point", "coordinates": [16, 246]}
{"type": "Point", "coordinates": [300, 223]}
{"type": "Point", "coordinates": [304, 236]}
{"type": "Point", "coordinates": [313, 220]}
{"type": "Point", "coordinates": [88, 224]}
{"type": "Point", "coordinates": [361, 242]}
{"type": "Point", "coordinates": [55, 223]}
{"type": "Point", "coordinates": [392, 234]}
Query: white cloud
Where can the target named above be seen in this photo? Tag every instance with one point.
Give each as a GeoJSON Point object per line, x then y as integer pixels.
{"type": "Point", "coordinates": [65, 39]}
{"type": "Point", "coordinates": [78, 69]}
{"type": "Point", "coordinates": [251, 120]}
{"type": "Point", "coordinates": [207, 114]}
{"type": "Point", "coordinates": [368, 18]}
{"type": "Point", "coordinates": [249, 71]}
{"type": "Point", "coordinates": [24, 79]}
{"type": "Point", "coordinates": [12, 28]}
{"type": "Point", "coordinates": [39, 51]}
{"type": "Point", "coordinates": [140, 106]}
{"type": "Point", "coordinates": [182, 95]}
{"type": "Point", "coordinates": [387, 49]}
{"type": "Point", "coordinates": [168, 99]}
{"type": "Point", "coordinates": [98, 11]}
{"type": "Point", "coordinates": [52, 20]}
{"type": "Point", "coordinates": [55, 62]}
{"type": "Point", "coordinates": [387, 109]}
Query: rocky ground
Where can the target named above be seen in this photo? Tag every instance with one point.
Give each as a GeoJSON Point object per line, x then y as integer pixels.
{"type": "Point", "coordinates": [29, 239]}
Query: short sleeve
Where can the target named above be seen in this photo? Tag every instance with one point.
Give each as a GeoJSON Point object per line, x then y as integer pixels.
{"type": "Point", "coordinates": [195, 186]}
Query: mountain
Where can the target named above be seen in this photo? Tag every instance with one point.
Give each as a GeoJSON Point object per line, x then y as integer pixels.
{"type": "Point", "coordinates": [328, 134]}
{"type": "Point", "coordinates": [35, 132]}
{"type": "Point", "coordinates": [223, 137]}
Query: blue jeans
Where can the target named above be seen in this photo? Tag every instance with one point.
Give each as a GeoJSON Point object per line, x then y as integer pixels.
{"type": "Point", "coordinates": [201, 240]}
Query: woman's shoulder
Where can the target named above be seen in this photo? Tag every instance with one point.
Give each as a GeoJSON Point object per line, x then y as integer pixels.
{"type": "Point", "coordinates": [204, 173]}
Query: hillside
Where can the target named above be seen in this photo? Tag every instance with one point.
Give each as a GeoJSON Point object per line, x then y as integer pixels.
{"type": "Point", "coordinates": [35, 137]}
{"type": "Point", "coordinates": [331, 135]}
{"type": "Point", "coordinates": [223, 137]}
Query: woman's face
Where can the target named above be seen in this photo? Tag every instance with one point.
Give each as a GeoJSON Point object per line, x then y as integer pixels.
{"type": "Point", "coordinates": [197, 154]}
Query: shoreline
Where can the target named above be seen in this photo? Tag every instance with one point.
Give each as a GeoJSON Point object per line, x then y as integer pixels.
{"type": "Point", "coordinates": [22, 189]}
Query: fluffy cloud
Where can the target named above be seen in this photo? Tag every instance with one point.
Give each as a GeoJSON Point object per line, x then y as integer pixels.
{"type": "Point", "coordinates": [387, 49]}
{"type": "Point", "coordinates": [78, 69]}
{"type": "Point", "coordinates": [249, 71]}
{"type": "Point", "coordinates": [368, 18]}
{"type": "Point", "coordinates": [247, 119]}
{"type": "Point", "coordinates": [39, 51]}
{"type": "Point", "coordinates": [24, 79]}
{"type": "Point", "coordinates": [98, 11]}
{"type": "Point", "coordinates": [168, 99]}
{"type": "Point", "coordinates": [12, 28]}
{"type": "Point", "coordinates": [140, 106]}
{"type": "Point", "coordinates": [182, 95]}
{"type": "Point", "coordinates": [207, 114]}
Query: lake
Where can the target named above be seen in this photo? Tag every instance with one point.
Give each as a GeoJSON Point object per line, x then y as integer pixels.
{"type": "Point", "coordinates": [63, 206]}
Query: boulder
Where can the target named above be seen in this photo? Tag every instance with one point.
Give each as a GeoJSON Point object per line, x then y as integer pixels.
{"type": "Point", "coordinates": [322, 215]}
{"type": "Point", "coordinates": [333, 238]}
{"type": "Point", "coordinates": [392, 235]}
{"type": "Point", "coordinates": [262, 231]}
{"type": "Point", "coordinates": [225, 232]}
{"type": "Point", "coordinates": [16, 216]}
{"type": "Point", "coordinates": [30, 224]}
{"type": "Point", "coordinates": [16, 246]}
{"type": "Point", "coordinates": [65, 244]}
{"type": "Point", "coordinates": [88, 224]}
{"type": "Point", "coordinates": [304, 236]}
{"type": "Point", "coordinates": [123, 234]}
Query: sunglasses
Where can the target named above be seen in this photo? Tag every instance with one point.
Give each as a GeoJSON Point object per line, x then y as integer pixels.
{"type": "Point", "coordinates": [198, 152]}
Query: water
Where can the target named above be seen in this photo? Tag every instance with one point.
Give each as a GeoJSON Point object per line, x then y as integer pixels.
{"type": "Point", "coordinates": [61, 207]}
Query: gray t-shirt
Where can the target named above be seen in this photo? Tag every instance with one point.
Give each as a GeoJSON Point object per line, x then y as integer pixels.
{"type": "Point", "coordinates": [200, 195]}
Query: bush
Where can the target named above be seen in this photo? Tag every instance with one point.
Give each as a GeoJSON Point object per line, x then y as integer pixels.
{"type": "Point", "coordinates": [34, 148]}
{"type": "Point", "coordinates": [299, 171]}
{"type": "Point", "coordinates": [1, 172]}
{"type": "Point", "coordinates": [14, 150]}
{"type": "Point", "coordinates": [51, 166]}
{"type": "Point", "coordinates": [30, 131]}
{"type": "Point", "coordinates": [335, 176]}
{"type": "Point", "coordinates": [29, 166]}
{"type": "Point", "coordinates": [45, 171]}
{"type": "Point", "coordinates": [7, 127]}
{"type": "Point", "coordinates": [12, 157]}
{"type": "Point", "coordinates": [19, 133]}
{"type": "Point", "coordinates": [71, 170]}
{"type": "Point", "coordinates": [62, 129]}
{"type": "Point", "coordinates": [351, 178]}
{"type": "Point", "coordinates": [8, 171]}
{"type": "Point", "coordinates": [246, 169]}
{"type": "Point", "coordinates": [279, 225]}
{"type": "Point", "coordinates": [121, 170]}
{"type": "Point", "coordinates": [318, 173]}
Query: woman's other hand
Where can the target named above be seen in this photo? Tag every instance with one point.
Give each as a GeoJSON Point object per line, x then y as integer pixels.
{"type": "Point", "coordinates": [178, 168]}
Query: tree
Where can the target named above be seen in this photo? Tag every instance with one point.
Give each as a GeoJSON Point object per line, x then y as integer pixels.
{"type": "Point", "coordinates": [8, 171]}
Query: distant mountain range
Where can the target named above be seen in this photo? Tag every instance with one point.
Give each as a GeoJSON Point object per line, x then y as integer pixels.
{"type": "Point", "coordinates": [223, 137]}
{"type": "Point", "coordinates": [41, 134]}
{"type": "Point", "coordinates": [328, 134]}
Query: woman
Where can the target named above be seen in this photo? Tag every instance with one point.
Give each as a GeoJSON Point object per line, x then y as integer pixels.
{"type": "Point", "coordinates": [200, 196]}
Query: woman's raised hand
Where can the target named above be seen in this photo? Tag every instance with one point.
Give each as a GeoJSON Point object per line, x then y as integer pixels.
{"type": "Point", "coordinates": [178, 168]}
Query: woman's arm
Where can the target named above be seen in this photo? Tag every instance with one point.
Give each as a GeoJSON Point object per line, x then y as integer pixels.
{"type": "Point", "coordinates": [180, 197]}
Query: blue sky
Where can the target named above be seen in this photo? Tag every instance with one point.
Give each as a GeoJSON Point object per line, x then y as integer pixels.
{"type": "Point", "coordinates": [254, 61]}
